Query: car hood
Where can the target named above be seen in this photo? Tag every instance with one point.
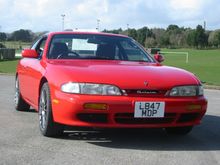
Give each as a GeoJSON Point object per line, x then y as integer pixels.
{"type": "Point", "coordinates": [124, 74]}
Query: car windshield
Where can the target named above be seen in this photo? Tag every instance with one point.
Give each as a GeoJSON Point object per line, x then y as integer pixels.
{"type": "Point", "coordinates": [96, 46]}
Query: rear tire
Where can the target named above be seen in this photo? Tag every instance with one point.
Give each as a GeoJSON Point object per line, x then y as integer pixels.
{"type": "Point", "coordinates": [179, 130]}
{"type": "Point", "coordinates": [47, 126]}
{"type": "Point", "coordinates": [20, 104]}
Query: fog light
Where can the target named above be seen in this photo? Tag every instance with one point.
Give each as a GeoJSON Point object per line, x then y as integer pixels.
{"type": "Point", "coordinates": [96, 106]}
{"type": "Point", "coordinates": [194, 107]}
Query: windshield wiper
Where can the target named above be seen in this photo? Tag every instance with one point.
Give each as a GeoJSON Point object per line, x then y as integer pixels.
{"type": "Point", "coordinates": [97, 58]}
{"type": "Point", "coordinates": [139, 60]}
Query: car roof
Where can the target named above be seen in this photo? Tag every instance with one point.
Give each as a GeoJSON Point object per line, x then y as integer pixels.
{"type": "Point", "coordinates": [86, 32]}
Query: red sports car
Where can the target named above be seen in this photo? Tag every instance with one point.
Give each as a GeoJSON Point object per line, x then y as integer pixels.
{"type": "Point", "coordinates": [92, 79]}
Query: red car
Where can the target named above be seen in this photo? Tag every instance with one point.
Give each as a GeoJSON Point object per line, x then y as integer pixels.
{"type": "Point", "coordinates": [105, 81]}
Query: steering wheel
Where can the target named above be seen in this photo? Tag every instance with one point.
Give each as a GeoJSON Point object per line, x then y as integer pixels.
{"type": "Point", "coordinates": [67, 55]}
{"type": "Point", "coordinates": [71, 53]}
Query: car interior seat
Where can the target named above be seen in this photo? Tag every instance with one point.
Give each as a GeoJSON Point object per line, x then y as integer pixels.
{"type": "Point", "coordinates": [58, 50]}
{"type": "Point", "coordinates": [106, 51]}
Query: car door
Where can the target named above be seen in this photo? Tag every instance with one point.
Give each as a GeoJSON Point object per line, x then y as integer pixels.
{"type": "Point", "coordinates": [33, 70]}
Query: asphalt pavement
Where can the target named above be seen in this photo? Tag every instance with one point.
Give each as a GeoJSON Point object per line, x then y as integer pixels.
{"type": "Point", "coordinates": [22, 143]}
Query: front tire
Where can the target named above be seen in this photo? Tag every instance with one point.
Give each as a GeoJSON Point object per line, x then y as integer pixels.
{"type": "Point", "coordinates": [179, 130]}
{"type": "Point", "coordinates": [47, 126]}
{"type": "Point", "coordinates": [20, 104]}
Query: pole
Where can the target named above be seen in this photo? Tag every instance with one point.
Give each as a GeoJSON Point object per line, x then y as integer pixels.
{"type": "Point", "coordinates": [127, 29]}
{"type": "Point", "coordinates": [63, 17]}
{"type": "Point", "coordinates": [98, 22]}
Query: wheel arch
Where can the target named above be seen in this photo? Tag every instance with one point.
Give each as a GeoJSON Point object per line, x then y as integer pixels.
{"type": "Point", "coordinates": [42, 81]}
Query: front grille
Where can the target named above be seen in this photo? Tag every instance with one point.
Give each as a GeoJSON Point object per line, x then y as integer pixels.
{"type": "Point", "coordinates": [128, 118]}
{"type": "Point", "coordinates": [188, 117]}
{"type": "Point", "coordinates": [144, 92]}
{"type": "Point", "coordinates": [93, 118]}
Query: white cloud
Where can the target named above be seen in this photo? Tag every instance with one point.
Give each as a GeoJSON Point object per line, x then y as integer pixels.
{"type": "Point", "coordinates": [185, 4]}
{"type": "Point", "coordinates": [185, 9]}
{"type": "Point", "coordinates": [40, 15]}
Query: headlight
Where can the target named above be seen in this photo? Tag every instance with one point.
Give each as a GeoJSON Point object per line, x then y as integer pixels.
{"type": "Point", "coordinates": [89, 88]}
{"type": "Point", "coordinates": [187, 91]}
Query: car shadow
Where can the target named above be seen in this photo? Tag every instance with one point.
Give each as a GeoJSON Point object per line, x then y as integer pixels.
{"type": "Point", "coordinates": [204, 137]}
{"type": "Point", "coordinates": [31, 110]}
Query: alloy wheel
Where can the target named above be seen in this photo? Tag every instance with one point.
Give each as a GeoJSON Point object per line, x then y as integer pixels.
{"type": "Point", "coordinates": [43, 109]}
{"type": "Point", "coordinates": [17, 92]}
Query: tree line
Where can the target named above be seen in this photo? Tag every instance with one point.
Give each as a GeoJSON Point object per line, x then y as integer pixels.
{"type": "Point", "coordinates": [20, 35]}
{"type": "Point", "coordinates": [171, 37]}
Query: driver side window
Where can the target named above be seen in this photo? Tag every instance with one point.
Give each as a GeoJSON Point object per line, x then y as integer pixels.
{"type": "Point", "coordinates": [39, 46]}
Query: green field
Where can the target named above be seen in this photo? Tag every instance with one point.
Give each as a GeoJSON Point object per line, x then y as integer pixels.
{"type": "Point", "coordinates": [203, 63]}
{"type": "Point", "coordinates": [8, 66]}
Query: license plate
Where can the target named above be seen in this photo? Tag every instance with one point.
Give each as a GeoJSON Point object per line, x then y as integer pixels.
{"type": "Point", "coordinates": [149, 109]}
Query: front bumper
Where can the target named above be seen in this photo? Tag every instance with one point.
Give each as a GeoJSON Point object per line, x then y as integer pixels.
{"type": "Point", "coordinates": [68, 109]}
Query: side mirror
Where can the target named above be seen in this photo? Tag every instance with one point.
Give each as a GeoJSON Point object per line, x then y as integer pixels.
{"type": "Point", "coordinates": [159, 58]}
{"type": "Point", "coordinates": [29, 53]}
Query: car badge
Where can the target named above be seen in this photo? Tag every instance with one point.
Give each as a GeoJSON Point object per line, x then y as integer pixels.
{"type": "Point", "coordinates": [145, 83]}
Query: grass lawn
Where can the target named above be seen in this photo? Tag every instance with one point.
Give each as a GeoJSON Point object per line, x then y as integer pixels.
{"type": "Point", "coordinates": [203, 63]}
{"type": "Point", "coordinates": [7, 66]}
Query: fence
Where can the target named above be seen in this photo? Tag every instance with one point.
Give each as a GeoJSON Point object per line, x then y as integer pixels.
{"type": "Point", "coordinates": [8, 54]}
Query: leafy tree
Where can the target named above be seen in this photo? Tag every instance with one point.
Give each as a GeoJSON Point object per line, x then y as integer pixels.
{"type": "Point", "coordinates": [191, 38]}
{"type": "Point", "coordinates": [172, 36]}
{"type": "Point", "coordinates": [218, 37]}
{"type": "Point", "coordinates": [21, 35]}
{"type": "Point", "coordinates": [165, 40]}
{"type": "Point", "coordinates": [158, 34]}
{"type": "Point", "coordinates": [213, 39]}
{"type": "Point", "coordinates": [132, 33]}
{"type": "Point", "coordinates": [150, 42]}
{"type": "Point", "coordinates": [201, 37]}
{"type": "Point", "coordinates": [3, 36]}
{"type": "Point", "coordinates": [117, 31]}
{"type": "Point", "coordinates": [176, 35]}
{"type": "Point", "coordinates": [172, 28]}
{"type": "Point", "coordinates": [142, 34]}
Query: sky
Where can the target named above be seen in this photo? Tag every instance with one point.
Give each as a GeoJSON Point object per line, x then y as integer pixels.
{"type": "Point", "coordinates": [45, 15]}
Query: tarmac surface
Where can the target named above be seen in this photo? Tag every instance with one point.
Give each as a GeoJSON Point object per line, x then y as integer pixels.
{"type": "Point", "coordinates": [22, 143]}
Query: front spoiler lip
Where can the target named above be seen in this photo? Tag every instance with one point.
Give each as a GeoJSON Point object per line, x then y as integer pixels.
{"type": "Point", "coordinates": [95, 125]}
